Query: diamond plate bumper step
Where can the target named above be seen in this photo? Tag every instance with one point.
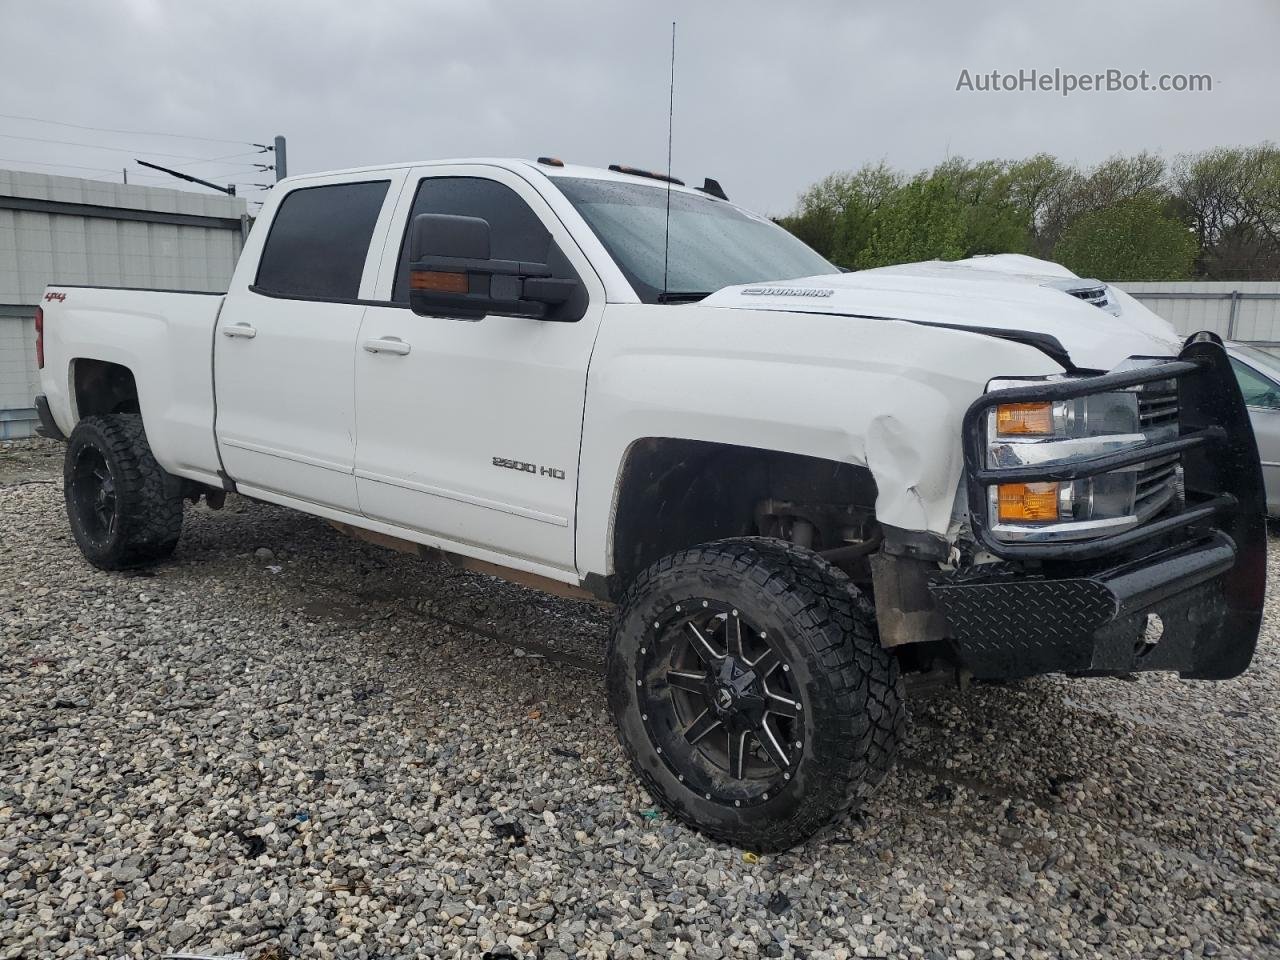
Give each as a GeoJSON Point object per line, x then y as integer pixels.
{"type": "Point", "coordinates": [1010, 625]}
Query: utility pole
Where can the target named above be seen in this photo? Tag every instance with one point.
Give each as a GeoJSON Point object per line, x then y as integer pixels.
{"type": "Point", "coordinates": [282, 169]}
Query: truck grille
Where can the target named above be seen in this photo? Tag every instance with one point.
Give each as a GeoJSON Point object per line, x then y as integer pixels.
{"type": "Point", "coordinates": [1159, 482]}
{"type": "Point", "coordinates": [1158, 407]}
{"type": "Point", "coordinates": [1158, 485]}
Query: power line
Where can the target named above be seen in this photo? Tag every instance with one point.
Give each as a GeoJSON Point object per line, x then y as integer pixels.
{"type": "Point", "coordinates": [240, 167]}
{"type": "Point", "coordinates": [74, 166]}
{"type": "Point", "coordinates": [115, 172]}
{"type": "Point", "coordinates": [223, 160]}
{"type": "Point", "coordinates": [132, 133]}
{"type": "Point", "coordinates": [95, 174]}
{"type": "Point", "coordinates": [94, 146]}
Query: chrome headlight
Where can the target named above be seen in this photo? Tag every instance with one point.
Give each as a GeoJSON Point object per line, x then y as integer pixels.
{"type": "Point", "coordinates": [1045, 433]}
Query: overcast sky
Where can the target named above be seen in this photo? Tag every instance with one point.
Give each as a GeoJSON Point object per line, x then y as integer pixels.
{"type": "Point", "coordinates": [769, 96]}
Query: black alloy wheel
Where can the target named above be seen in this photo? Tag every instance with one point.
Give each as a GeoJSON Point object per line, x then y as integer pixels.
{"type": "Point", "coordinates": [720, 703]}
{"type": "Point", "coordinates": [750, 690]}
{"type": "Point", "coordinates": [92, 491]}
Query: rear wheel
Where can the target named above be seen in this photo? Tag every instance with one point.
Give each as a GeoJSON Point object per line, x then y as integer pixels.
{"type": "Point", "coordinates": [751, 692]}
{"type": "Point", "coordinates": [124, 509]}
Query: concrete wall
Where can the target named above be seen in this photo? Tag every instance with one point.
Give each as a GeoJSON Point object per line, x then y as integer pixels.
{"type": "Point", "coordinates": [1234, 310]}
{"type": "Point", "coordinates": [67, 230]}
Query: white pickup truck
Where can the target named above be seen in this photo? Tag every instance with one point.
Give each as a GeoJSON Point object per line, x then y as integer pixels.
{"type": "Point", "coordinates": [797, 485]}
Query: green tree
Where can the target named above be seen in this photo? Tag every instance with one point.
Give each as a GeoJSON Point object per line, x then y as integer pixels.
{"type": "Point", "coordinates": [1133, 239]}
{"type": "Point", "coordinates": [1207, 186]}
{"type": "Point", "coordinates": [1259, 199]}
{"type": "Point", "coordinates": [1228, 198]}
{"type": "Point", "coordinates": [831, 216]}
{"type": "Point", "coordinates": [1111, 182]}
{"type": "Point", "coordinates": [1041, 185]}
{"type": "Point", "coordinates": [817, 212]}
{"type": "Point", "coordinates": [995, 221]}
{"type": "Point", "coordinates": [1122, 178]}
{"type": "Point", "coordinates": [1214, 192]}
{"type": "Point", "coordinates": [865, 192]}
{"type": "Point", "coordinates": [921, 220]}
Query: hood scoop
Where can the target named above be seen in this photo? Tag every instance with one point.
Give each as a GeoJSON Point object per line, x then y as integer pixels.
{"type": "Point", "coordinates": [1090, 291]}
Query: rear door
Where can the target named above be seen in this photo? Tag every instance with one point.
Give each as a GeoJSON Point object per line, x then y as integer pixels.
{"type": "Point", "coordinates": [469, 432]}
{"type": "Point", "coordinates": [285, 343]}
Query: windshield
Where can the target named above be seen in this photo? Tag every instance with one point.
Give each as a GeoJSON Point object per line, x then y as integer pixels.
{"type": "Point", "coordinates": [713, 243]}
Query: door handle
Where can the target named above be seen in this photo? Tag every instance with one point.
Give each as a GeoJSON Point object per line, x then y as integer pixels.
{"type": "Point", "coordinates": [243, 330]}
{"type": "Point", "coordinates": [392, 345]}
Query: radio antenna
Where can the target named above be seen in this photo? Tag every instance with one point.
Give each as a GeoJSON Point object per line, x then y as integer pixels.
{"type": "Point", "coordinates": [671, 106]}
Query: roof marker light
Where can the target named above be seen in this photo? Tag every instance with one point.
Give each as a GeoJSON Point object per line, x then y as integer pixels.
{"type": "Point", "coordinates": [637, 172]}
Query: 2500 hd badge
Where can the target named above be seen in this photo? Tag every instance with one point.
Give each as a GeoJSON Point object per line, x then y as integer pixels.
{"type": "Point", "coordinates": [555, 473]}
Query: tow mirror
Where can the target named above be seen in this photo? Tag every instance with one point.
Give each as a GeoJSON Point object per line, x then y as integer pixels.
{"type": "Point", "coordinates": [451, 274]}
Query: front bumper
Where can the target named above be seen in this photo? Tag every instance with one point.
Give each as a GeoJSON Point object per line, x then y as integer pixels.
{"type": "Point", "coordinates": [1083, 607]}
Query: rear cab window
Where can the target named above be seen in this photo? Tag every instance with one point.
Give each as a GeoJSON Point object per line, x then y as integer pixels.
{"type": "Point", "coordinates": [319, 240]}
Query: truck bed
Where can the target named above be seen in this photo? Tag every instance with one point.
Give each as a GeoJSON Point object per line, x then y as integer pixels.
{"type": "Point", "coordinates": [164, 339]}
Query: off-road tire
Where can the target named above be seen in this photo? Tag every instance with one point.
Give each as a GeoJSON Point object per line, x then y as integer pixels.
{"type": "Point", "coordinates": [851, 686]}
{"type": "Point", "coordinates": [146, 519]}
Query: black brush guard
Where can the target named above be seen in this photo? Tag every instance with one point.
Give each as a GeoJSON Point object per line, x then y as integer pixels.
{"type": "Point", "coordinates": [1081, 607]}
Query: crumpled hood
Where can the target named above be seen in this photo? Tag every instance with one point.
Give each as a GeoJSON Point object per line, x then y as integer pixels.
{"type": "Point", "coordinates": [1007, 292]}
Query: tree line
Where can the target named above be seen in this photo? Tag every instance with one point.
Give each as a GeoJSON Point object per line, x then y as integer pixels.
{"type": "Point", "coordinates": [1213, 215]}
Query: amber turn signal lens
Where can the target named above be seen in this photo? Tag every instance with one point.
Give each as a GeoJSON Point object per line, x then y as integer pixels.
{"type": "Point", "coordinates": [1028, 502]}
{"type": "Point", "coordinates": [439, 282]}
{"type": "Point", "coordinates": [1024, 419]}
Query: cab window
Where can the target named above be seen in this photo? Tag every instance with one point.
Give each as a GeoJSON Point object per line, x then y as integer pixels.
{"type": "Point", "coordinates": [319, 240]}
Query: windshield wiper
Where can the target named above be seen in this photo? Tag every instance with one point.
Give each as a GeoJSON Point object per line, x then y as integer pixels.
{"type": "Point", "coordinates": [683, 296]}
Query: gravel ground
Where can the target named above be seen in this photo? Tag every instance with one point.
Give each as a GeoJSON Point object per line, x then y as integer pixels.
{"type": "Point", "coordinates": [284, 742]}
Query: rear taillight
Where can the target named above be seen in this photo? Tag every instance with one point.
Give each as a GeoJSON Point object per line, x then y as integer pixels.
{"type": "Point", "coordinates": [40, 338]}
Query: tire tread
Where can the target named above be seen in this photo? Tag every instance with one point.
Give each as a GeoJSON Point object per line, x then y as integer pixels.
{"type": "Point", "coordinates": [151, 503]}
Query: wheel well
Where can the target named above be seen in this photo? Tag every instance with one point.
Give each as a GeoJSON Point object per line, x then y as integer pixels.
{"type": "Point", "coordinates": [102, 387]}
{"type": "Point", "coordinates": [677, 493]}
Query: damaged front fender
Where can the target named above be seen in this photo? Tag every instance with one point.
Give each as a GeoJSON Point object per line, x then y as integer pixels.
{"type": "Point", "coordinates": [883, 394]}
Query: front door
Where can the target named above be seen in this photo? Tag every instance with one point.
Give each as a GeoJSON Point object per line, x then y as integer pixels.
{"type": "Point", "coordinates": [469, 432]}
{"type": "Point", "coordinates": [285, 345]}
